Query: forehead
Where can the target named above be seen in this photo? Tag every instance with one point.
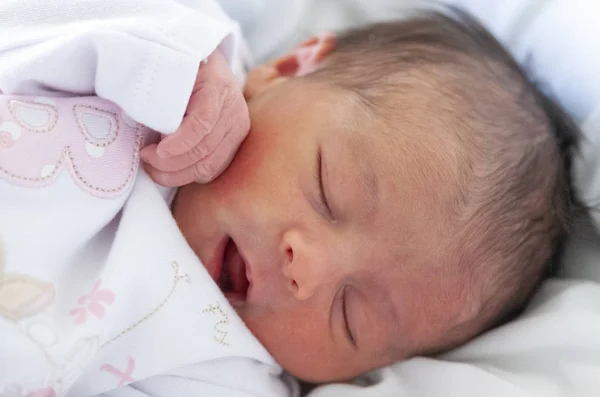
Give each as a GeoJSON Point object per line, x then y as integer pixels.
{"type": "Point", "coordinates": [392, 164]}
{"type": "Point", "coordinates": [395, 173]}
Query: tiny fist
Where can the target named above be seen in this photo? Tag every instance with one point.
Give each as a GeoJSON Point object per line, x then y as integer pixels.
{"type": "Point", "coordinates": [216, 122]}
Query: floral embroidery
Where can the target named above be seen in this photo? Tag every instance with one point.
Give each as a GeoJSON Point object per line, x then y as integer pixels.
{"type": "Point", "coordinates": [176, 279]}
{"type": "Point", "coordinates": [124, 377]}
{"type": "Point", "coordinates": [5, 140]}
{"type": "Point", "coordinates": [93, 303]}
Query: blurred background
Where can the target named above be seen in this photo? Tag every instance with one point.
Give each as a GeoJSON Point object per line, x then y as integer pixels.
{"type": "Point", "coordinates": [274, 26]}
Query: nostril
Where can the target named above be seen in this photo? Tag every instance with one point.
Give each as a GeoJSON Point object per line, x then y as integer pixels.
{"type": "Point", "coordinates": [293, 286]}
{"type": "Point", "coordinates": [290, 254]}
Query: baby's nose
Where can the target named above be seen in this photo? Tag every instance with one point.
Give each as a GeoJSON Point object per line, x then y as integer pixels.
{"type": "Point", "coordinates": [306, 270]}
{"type": "Point", "coordinates": [301, 286]}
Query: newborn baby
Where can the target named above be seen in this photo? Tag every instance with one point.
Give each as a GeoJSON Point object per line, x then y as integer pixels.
{"type": "Point", "coordinates": [403, 189]}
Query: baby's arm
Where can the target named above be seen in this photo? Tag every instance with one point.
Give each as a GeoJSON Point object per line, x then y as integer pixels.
{"type": "Point", "coordinates": [143, 55]}
{"type": "Point", "coordinates": [230, 377]}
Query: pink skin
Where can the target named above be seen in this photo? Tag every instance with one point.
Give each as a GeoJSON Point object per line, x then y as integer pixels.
{"type": "Point", "coordinates": [370, 268]}
{"type": "Point", "coordinates": [215, 123]}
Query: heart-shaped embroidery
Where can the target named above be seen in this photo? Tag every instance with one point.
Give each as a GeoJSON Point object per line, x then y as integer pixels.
{"type": "Point", "coordinates": [88, 137]}
{"type": "Point", "coordinates": [39, 115]}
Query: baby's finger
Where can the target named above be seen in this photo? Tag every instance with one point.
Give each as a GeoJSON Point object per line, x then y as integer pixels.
{"type": "Point", "coordinates": [203, 112]}
{"type": "Point", "coordinates": [180, 162]}
{"type": "Point", "coordinates": [189, 175]}
{"type": "Point", "coordinates": [220, 139]}
{"type": "Point", "coordinates": [173, 164]}
{"type": "Point", "coordinates": [169, 179]}
{"type": "Point", "coordinates": [213, 165]}
{"type": "Point", "coordinates": [202, 172]}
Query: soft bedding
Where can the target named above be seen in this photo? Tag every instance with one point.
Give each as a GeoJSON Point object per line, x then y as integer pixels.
{"type": "Point", "coordinates": [554, 348]}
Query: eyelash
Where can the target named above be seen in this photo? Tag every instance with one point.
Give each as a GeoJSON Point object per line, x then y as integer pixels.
{"type": "Point", "coordinates": [345, 316]}
{"type": "Point", "coordinates": [322, 197]}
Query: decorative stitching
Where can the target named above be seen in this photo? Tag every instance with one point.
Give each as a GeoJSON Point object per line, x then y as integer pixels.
{"type": "Point", "coordinates": [67, 153]}
{"type": "Point", "coordinates": [45, 106]}
{"type": "Point", "coordinates": [176, 279]}
{"type": "Point", "coordinates": [216, 310]}
{"type": "Point", "coordinates": [112, 136]}
{"type": "Point", "coordinates": [138, 82]}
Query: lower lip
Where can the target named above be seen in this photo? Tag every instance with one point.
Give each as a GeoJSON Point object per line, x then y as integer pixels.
{"type": "Point", "coordinates": [215, 266]}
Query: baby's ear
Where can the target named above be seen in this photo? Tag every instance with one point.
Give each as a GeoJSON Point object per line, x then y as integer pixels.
{"type": "Point", "coordinates": [303, 60]}
{"type": "Point", "coordinates": [312, 52]}
{"type": "Point", "coordinates": [306, 57]}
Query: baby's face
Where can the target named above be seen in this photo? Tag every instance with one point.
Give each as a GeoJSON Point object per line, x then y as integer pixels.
{"type": "Point", "coordinates": [317, 215]}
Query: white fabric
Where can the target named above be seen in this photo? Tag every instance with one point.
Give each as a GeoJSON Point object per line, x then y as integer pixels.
{"type": "Point", "coordinates": [268, 25]}
{"type": "Point", "coordinates": [273, 27]}
{"type": "Point", "coordinates": [98, 287]}
{"type": "Point", "coordinates": [111, 292]}
{"type": "Point", "coordinates": [127, 51]}
{"type": "Point", "coordinates": [553, 350]}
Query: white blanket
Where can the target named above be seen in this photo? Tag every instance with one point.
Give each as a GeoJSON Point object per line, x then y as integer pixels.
{"type": "Point", "coordinates": [98, 288]}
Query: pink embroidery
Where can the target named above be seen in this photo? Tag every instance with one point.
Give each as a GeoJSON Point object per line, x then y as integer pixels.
{"type": "Point", "coordinates": [47, 392]}
{"type": "Point", "coordinates": [88, 137]}
{"type": "Point", "coordinates": [124, 377]}
{"type": "Point", "coordinates": [94, 303]}
{"type": "Point", "coordinates": [5, 140]}
{"type": "Point", "coordinates": [40, 116]}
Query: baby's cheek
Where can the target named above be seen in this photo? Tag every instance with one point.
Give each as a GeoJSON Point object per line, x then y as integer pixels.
{"type": "Point", "coordinates": [300, 340]}
{"type": "Point", "coordinates": [244, 180]}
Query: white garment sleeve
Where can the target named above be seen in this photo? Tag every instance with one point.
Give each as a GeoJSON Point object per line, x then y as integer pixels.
{"type": "Point", "coordinates": [141, 54]}
{"type": "Point", "coordinates": [230, 377]}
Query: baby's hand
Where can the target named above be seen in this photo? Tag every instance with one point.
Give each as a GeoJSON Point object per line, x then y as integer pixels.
{"type": "Point", "coordinates": [215, 124]}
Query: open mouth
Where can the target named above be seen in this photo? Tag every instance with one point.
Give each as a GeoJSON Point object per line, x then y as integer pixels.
{"type": "Point", "coordinates": [233, 280]}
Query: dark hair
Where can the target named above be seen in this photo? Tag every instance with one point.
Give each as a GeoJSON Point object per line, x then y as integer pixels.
{"type": "Point", "coordinates": [515, 200]}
